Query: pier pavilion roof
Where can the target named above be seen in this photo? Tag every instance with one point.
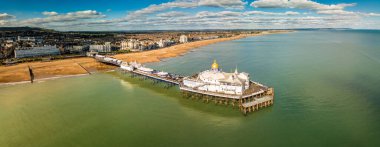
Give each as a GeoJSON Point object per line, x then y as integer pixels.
{"type": "Point", "coordinates": [223, 77]}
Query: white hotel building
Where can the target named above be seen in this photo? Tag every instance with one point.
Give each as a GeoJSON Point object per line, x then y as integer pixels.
{"type": "Point", "coordinates": [101, 48]}
{"type": "Point", "coordinates": [183, 39]}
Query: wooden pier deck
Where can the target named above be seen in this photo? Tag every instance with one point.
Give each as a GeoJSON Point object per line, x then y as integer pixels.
{"type": "Point", "coordinates": [163, 79]}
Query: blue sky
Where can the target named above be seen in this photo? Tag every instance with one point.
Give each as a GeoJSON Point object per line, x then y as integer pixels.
{"type": "Point", "coordinates": [93, 15]}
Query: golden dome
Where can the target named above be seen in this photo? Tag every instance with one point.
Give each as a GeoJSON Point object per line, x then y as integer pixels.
{"type": "Point", "coordinates": [214, 65]}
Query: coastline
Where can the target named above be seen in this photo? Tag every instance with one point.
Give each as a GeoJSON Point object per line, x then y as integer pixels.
{"type": "Point", "coordinates": [42, 79]}
{"type": "Point", "coordinates": [59, 77]}
{"type": "Point", "coordinates": [181, 49]}
{"type": "Point", "coordinates": [19, 74]}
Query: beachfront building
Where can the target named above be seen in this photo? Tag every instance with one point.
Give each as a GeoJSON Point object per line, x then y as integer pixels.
{"type": "Point", "coordinates": [209, 37]}
{"type": "Point", "coordinates": [141, 45]}
{"type": "Point", "coordinates": [124, 45]}
{"type": "Point", "coordinates": [131, 44]}
{"type": "Point", "coordinates": [36, 51]}
{"type": "Point", "coordinates": [161, 43]}
{"type": "Point", "coordinates": [164, 43]}
{"type": "Point", "coordinates": [101, 48]}
{"type": "Point", "coordinates": [215, 80]}
{"type": "Point", "coordinates": [147, 45]}
{"type": "Point", "coordinates": [183, 39]}
{"type": "Point", "coordinates": [19, 38]}
{"type": "Point", "coordinates": [76, 48]}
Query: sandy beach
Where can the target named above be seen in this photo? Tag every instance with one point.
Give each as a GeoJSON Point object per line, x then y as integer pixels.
{"type": "Point", "coordinates": [49, 70]}
{"type": "Point", "coordinates": [80, 66]}
{"type": "Point", "coordinates": [181, 49]}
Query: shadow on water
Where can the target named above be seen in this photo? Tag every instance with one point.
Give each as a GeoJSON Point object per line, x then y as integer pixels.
{"type": "Point", "coordinates": [360, 87]}
{"type": "Point", "coordinates": [174, 93]}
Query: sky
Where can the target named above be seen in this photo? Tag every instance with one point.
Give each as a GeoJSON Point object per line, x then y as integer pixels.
{"type": "Point", "coordinates": [109, 15]}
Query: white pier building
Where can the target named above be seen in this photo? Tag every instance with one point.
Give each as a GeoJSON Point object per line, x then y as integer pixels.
{"type": "Point", "coordinates": [215, 80]}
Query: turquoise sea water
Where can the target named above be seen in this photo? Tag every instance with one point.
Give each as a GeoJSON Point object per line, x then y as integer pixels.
{"type": "Point", "coordinates": [327, 94]}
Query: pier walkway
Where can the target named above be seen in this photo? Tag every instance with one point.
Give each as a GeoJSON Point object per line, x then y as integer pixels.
{"type": "Point", "coordinates": [170, 78]}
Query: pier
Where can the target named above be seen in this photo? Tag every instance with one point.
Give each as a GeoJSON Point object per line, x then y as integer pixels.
{"type": "Point", "coordinates": [170, 78]}
{"type": "Point", "coordinates": [256, 97]}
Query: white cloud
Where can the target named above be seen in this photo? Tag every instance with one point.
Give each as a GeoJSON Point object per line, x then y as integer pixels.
{"type": "Point", "coordinates": [336, 12]}
{"type": "Point", "coordinates": [52, 13]}
{"type": "Point", "coordinates": [172, 14]}
{"type": "Point", "coordinates": [223, 14]}
{"type": "Point", "coordinates": [4, 19]}
{"type": "Point", "coordinates": [71, 16]}
{"type": "Point", "coordinates": [3, 22]}
{"type": "Point", "coordinates": [298, 4]}
{"type": "Point", "coordinates": [291, 13]}
{"type": "Point", "coordinates": [231, 20]}
{"type": "Point", "coordinates": [372, 14]}
{"type": "Point", "coordinates": [251, 22]}
{"type": "Point", "coordinates": [271, 13]}
{"type": "Point", "coordinates": [229, 4]}
{"type": "Point", "coordinates": [161, 7]}
{"type": "Point", "coordinates": [207, 14]}
{"type": "Point", "coordinates": [335, 9]}
{"type": "Point", "coordinates": [6, 16]}
{"type": "Point", "coordinates": [349, 13]}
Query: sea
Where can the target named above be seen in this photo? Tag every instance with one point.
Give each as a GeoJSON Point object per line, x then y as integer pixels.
{"type": "Point", "coordinates": [327, 93]}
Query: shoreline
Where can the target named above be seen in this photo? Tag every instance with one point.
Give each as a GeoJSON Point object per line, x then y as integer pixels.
{"type": "Point", "coordinates": [181, 49]}
{"type": "Point", "coordinates": [43, 79]}
{"type": "Point", "coordinates": [18, 74]}
{"type": "Point", "coordinates": [59, 77]}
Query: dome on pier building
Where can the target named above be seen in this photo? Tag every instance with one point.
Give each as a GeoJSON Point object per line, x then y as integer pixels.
{"type": "Point", "coordinates": [215, 66]}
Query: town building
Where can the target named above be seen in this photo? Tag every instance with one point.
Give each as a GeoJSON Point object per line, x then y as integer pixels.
{"type": "Point", "coordinates": [133, 44]}
{"type": "Point", "coordinates": [124, 45]}
{"type": "Point", "coordinates": [130, 44]}
{"type": "Point", "coordinates": [183, 39]}
{"type": "Point", "coordinates": [76, 48]}
{"type": "Point", "coordinates": [209, 37]}
{"type": "Point", "coordinates": [19, 38]}
{"type": "Point", "coordinates": [36, 51]}
{"type": "Point", "coordinates": [101, 48]}
{"type": "Point", "coordinates": [164, 43]}
{"type": "Point", "coordinates": [161, 43]}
